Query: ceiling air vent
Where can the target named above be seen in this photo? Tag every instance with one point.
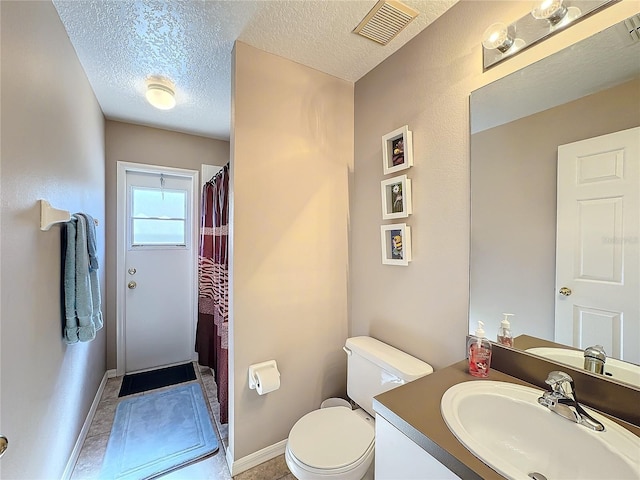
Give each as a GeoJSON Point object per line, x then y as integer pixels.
{"type": "Point", "coordinates": [633, 27]}
{"type": "Point", "coordinates": [385, 20]}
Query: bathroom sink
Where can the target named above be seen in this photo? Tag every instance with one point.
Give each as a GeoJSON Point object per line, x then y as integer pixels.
{"type": "Point", "coordinates": [503, 425]}
{"type": "Point", "coordinates": [615, 369]}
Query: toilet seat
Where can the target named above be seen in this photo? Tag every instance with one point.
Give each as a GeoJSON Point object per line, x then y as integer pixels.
{"type": "Point", "coordinates": [331, 441]}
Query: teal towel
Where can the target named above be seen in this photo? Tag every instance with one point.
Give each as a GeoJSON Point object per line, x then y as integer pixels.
{"type": "Point", "coordinates": [83, 315]}
{"type": "Point", "coordinates": [71, 322]}
{"type": "Point", "coordinates": [91, 241]}
{"type": "Point", "coordinates": [84, 302]}
{"type": "Point", "coordinates": [94, 282]}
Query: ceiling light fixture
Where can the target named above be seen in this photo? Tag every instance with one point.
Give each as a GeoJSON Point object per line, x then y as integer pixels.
{"type": "Point", "coordinates": [161, 94]}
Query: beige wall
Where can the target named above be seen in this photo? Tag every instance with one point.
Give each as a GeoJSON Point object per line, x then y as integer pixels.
{"type": "Point", "coordinates": [422, 308]}
{"type": "Point", "coordinates": [138, 144]}
{"type": "Point", "coordinates": [292, 151]}
{"type": "Point", "coordinates": [513, 194]}
{"type": "Point", "coordinates": [52, 148]}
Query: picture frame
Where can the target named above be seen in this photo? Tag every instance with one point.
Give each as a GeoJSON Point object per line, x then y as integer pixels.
{"type": "Point", "coordinates": [395, 242]}
{"type": "Point", "coordinates": [397, 150]}
{"type": "Point", "coordinates": [396, 197]}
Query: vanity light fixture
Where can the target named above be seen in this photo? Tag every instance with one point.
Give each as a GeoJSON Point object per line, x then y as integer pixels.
{"type": "Point", "coordinates": [497, 37]}
{"type": "Point", "coordinates": [160, 93]}
{"type": "Point", "coordinates": [547, 17]}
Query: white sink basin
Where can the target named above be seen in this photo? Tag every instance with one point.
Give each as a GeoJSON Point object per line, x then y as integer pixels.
{"type": "Point", "coordinates": [504, 426]}
{"type": "Point", "coordinates": [615, 369]}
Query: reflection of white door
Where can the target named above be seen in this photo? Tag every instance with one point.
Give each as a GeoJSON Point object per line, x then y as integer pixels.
{"type": "Point", "coordinates": [156, 266]}
{"type": "Point", "coordinates": [598, 243]}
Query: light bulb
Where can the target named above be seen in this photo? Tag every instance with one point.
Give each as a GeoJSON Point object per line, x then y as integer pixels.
{"type": "Point", "coordinates": [551, 10]}
{"type": "Point", "coordinates": [497, 37]}
{"type": "Point", "coordinates": [160, 96]}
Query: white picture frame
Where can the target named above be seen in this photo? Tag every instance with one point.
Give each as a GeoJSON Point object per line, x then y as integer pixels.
{"type": "Point", "coordinates": [396, 197]}
{"type": "Point", "coordinates": [394, 236]}
{"type": "Point", "coordinates": [397, 150]}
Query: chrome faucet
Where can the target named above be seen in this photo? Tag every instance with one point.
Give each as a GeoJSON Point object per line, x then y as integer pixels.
{"type": "Point", "coordinates": [562, 400]}
{"type": "Point", "coordinates": [594, 359]}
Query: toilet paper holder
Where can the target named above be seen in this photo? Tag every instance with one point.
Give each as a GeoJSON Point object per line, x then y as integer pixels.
{"type": "Point", "coordinates": [253, 369]}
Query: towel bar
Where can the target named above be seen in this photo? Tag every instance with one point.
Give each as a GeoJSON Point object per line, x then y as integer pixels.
{"type": "Point", "coordinates": [49, 216]}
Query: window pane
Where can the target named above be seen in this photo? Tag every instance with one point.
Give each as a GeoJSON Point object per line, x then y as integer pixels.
{"type": "Point", "coordinates": [158, 232]}
{"type": "Point", "coordinates": [158, 203]}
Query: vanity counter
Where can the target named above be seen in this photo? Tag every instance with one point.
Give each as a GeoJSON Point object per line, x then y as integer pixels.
{"type": "Point", "coordinates": [414, 409]}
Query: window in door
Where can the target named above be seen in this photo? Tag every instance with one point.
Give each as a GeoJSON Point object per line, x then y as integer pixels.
{"type": "Point", "coordinates": [158, 218]}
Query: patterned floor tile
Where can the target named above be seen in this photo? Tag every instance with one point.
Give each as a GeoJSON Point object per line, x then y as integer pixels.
{"type": "Point", "coordinates": [90, 460]}
{"type": "Point", "coordinates": [103, 418]}
{"type": "Point", "coordinates": [274, 469]}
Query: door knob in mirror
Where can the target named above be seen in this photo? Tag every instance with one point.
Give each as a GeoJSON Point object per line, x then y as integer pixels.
{"type": "Point", "coordinates": [566, 291]}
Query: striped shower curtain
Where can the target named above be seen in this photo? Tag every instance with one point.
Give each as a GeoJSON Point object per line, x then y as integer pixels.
{"type": "Point", "coordinates": [212, 334]}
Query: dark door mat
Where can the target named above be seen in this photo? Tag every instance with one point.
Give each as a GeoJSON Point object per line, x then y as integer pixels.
{"type": "Point", "coordinates": [163, 377]}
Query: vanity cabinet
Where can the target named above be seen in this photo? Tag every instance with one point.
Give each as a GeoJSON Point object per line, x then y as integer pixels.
{"type": "Point", "coordinates": [398, 457]}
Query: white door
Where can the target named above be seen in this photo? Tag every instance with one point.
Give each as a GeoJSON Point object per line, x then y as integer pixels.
{"type": "Point", "coordinates": [598, 243]}
{"type": "Point", "coordinates": [157, 268]}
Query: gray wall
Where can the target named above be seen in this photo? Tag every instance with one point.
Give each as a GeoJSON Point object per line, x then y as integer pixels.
{"type": "Point", "coordinates": [513, 201]}
{"type": "Point", "coordinates": [52, 148]}
{"type": "Point", "coordinates": [139, 144]}
{"type": "Point", "coordinates": [292, 154]}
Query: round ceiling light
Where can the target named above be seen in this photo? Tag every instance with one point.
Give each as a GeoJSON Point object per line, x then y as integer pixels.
{"type": "Point", "coordinates": [160, 94]}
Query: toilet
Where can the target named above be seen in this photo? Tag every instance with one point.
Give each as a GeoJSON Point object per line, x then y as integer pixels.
{"type": "Point", "coordinates": [337, 442]}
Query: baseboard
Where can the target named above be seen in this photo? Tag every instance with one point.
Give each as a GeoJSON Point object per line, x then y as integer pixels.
{"type": "Point", "coordinates": [256, 458]}
{"type": "Point", "coordinates": [75, 453]}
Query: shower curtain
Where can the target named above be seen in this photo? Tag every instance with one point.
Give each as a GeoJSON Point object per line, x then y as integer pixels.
{"type": "Point", "coordinates": [212, 338]}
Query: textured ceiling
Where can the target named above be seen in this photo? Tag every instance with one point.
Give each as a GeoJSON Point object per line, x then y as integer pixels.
{"type": "Point", "coordinates": [121, 43]}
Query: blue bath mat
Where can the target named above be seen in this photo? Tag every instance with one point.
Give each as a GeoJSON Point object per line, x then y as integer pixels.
{"type": "Point", "coordinates": [158, 432]}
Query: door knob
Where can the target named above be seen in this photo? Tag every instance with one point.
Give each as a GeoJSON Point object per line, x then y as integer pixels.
{"type": "Point", "coordinates": [566, 291]}
{"type": "Point", "coordinates": [132, 285]}
{"type": "Point", "coordinates": [4, 444]}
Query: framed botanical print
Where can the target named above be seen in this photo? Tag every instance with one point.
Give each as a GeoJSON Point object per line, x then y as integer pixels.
{"type": "Point", "coordinates": [396, 197]}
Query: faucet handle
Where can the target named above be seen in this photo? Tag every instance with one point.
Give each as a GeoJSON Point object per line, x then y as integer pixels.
{"type": "Point", "coordinates": [557, 381]}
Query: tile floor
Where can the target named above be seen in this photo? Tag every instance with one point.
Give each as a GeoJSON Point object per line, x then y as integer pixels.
{"type": "Point", "coordinates": [212, 468]}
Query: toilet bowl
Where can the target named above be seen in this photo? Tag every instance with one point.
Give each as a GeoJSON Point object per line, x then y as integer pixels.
{"type": "Point", "coordinates": [331, 443]}
{"type": "Point", "coordinates": [337, 442]}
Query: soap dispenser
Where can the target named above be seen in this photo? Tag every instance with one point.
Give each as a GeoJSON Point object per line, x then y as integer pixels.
{"type": "Point", "coordinates": [504, 332]}
{"type": "Point", "coordinates": [479, 350]}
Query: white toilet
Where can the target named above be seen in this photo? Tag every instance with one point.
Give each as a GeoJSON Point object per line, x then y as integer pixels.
{"type": "Point", "coordinates": [337, 442]}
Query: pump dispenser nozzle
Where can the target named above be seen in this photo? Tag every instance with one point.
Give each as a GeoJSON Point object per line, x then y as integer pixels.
{"type": "Point", "coordinates": [504, 332]}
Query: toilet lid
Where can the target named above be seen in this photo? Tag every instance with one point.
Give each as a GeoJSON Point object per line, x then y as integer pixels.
{"type": "Point", "coordinates": [331, 438]}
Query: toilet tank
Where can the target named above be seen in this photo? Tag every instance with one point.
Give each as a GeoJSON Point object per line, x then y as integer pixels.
{"type": "Point", "coordinates": [373, 367]}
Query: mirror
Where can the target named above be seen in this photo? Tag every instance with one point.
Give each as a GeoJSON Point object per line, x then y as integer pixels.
{"type": "Point", "coordinates": [587, 90]}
